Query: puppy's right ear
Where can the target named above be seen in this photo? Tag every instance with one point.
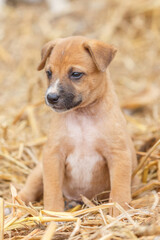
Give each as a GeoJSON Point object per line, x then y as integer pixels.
{"type": "Point", "coordinates": [45, 53]}
{"type": "Point", "coordinates": [101, 53]}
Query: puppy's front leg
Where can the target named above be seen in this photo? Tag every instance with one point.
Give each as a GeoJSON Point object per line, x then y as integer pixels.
{"type": "Point", "coordinates": [120, 168]}
{"type": "Point", "coordinates": [53, 173]}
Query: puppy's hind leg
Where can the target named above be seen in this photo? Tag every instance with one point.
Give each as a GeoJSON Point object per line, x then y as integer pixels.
{"type": "Point", "coordinates": [33, 189]}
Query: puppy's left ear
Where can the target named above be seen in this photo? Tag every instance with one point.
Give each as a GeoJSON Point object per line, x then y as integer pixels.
{"type": "Point", "coordinates": [101, 53]}
{"type": "Point", "coordinates": [45, 53]}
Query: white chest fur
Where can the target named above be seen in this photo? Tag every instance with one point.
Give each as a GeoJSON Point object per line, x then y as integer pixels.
{"type": "Point", "coordinates": [82, 134]}
{"type": "Point", "coordinates": [82, 128]}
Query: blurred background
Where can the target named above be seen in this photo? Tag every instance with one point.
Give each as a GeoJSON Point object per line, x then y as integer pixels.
{"type": "Point", "coordinates": [133, 27]}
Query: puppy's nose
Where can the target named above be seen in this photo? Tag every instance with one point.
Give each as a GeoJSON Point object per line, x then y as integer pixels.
{"type": "Point", "coordinates": [52, 97]}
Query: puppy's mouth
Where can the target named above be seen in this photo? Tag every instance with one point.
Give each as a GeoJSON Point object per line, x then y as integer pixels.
{"type": "Point", "coordinates": [64, 104]}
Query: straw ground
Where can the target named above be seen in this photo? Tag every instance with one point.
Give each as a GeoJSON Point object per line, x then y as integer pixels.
{"type": "Point", "coordinates": [133, 27]}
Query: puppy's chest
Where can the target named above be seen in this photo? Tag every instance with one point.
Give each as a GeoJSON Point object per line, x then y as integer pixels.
{"type": "Point", "coordinates": [81, 162]}
{"type": "Point", "coordinates": [82, 134]}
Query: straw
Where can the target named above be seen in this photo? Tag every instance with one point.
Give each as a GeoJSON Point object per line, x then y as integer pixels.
{"type": "Point", "coordinates": [133, 28]}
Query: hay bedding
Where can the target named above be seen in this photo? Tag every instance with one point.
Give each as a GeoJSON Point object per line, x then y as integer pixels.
{"type": "Point", "coordinates": [134, 28]}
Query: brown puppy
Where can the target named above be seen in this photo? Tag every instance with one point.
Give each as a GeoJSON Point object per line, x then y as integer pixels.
{"type": "Point", "coordinates": [88, 149]}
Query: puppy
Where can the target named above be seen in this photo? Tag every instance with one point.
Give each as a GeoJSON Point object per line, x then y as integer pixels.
{"type": "Point", "coordinates": [89, 149]}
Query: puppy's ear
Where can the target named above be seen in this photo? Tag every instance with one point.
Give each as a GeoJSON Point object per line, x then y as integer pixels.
{"type": "Point", "coordinates": [45, 53]}
{"type": "Point", "coordinates": [101, 53]}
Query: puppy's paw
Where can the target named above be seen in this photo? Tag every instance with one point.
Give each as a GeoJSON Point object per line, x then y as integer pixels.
{"type": "Point", "coordinates": [54, 206]}
{"type": "Point", "coordinates": [24, 197]}
{"type": "Point", "coordinates": [114, 212]}
{"type": "Point", "coordinates": [122, 202]}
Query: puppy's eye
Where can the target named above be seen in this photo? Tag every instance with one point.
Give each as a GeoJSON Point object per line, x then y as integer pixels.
{"type": "Point", "coordinates": [76, 75]}
{"type": "Point", "coordinates": [49, 74]}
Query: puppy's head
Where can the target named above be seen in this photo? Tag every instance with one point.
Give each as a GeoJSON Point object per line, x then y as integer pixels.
{"type": "Point", "coordinates": [75, 68]}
